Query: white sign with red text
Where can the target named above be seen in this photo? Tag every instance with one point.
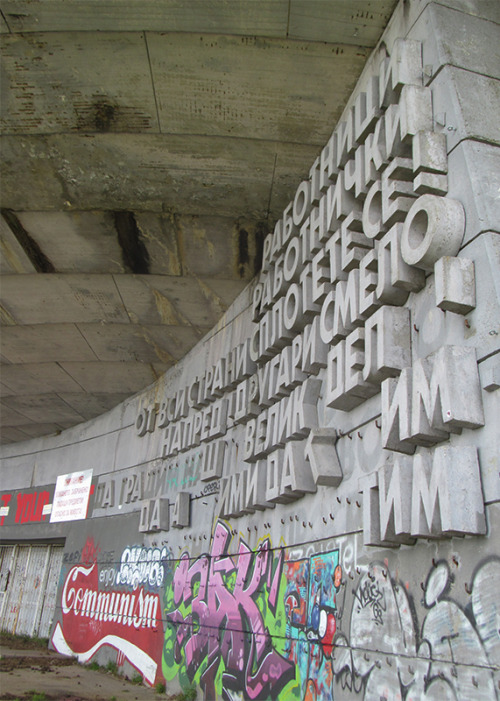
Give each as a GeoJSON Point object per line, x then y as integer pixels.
{"type": "Point", "coordinates": [71, 497]}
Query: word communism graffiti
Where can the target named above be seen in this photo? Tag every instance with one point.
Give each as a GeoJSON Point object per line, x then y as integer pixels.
{"type": "Point", "coordinates": [115, 608]}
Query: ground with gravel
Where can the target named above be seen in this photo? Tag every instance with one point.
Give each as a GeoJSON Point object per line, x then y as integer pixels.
{"type": "Point", "coordinates": [31, 672]}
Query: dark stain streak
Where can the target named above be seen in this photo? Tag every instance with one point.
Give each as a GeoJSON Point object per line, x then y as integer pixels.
{"type": "Point", "coordinates": [99, 115]}
{"type": "Point", "coordinates": [5, 20]}
{"type": "Point", "coordinates": [134, 252]}
{"type": "Point", "coordinates": [243, 256]}
{"type": "Point", "coordinates": [261, 232]}
{"type": "Point", "coordinates": [37, 257]}
{"type": "Point", "coordinates": [104, 115]}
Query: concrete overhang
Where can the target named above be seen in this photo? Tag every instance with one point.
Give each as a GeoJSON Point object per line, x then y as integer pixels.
{"type": "Point", "coordinates": [148, 147]}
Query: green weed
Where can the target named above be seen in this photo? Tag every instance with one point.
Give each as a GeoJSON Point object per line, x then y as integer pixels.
{"type": "Point", "coordinates": [23, 641]}
{"type": "Point", "coordinates": [112, 667]}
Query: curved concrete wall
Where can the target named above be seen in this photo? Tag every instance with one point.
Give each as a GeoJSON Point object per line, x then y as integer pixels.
{"type": "Point", "coordinates": [307, 506]}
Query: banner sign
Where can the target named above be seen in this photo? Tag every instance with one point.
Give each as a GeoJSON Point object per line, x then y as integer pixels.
{"type": "Point", "coordinates": [71, 497]}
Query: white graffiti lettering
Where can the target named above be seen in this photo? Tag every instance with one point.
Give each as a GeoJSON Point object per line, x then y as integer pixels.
{"type": "Point", "coordinates": [139, 565]}
{"type": "Point", "coordinates": [124, 608]}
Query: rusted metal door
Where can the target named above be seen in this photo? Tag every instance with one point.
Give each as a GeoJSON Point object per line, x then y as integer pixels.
{"type": "Point", "coordinates": [31, 575]}
{"type": "Point", "coordinates": [14, 593]}
{"type": "Point", "coordinates": [48, 604]}
{"type": "Point", "coordinates": [6, 560]}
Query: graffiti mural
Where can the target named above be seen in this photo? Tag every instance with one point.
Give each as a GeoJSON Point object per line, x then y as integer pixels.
{"type": "Point", "coordinates": [311, 607]}
{"type": "Point", "coordinates": [297, 577]}
{"type": "Point", "coordinates": [257, 625]}
{"type": "Point", "coordinates": [224, 627]}
{"type": "Point", "coordinates": [253, 624]}
{"type": "Point", "coordinates": [141, 565]}
{"type": "Point", "coordinates": [243, 623]}
{"type": "Point", "coordinates": [455, 654]}
{"type": "Point", "coordinates": [115, 606]}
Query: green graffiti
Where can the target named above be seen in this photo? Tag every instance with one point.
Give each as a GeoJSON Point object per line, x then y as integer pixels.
{"type": "Point", "coordinates": [226, 622]}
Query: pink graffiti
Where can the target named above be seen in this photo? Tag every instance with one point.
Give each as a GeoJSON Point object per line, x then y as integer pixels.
{"type": "Point", "coordinates": [90, 551]}
{"type": "Point", "coordinates": [225, 622]}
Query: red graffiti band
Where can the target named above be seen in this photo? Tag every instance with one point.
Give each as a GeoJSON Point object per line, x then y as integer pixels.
{"type": "Point", "coordinates": [129, 621]}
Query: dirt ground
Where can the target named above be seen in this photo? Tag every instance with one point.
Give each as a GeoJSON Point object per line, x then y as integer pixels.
{"type": "Point", "coordinates": [29, 672]}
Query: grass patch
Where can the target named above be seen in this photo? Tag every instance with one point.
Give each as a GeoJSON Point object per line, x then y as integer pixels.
{"type": "Point", "coordinates": [112, 667]}
{"type": "Point", "coordinates": [136, 679]}
{"type": "Point", "coordinates": [160, 688]}
{"type": "Point", "coordinates": [22, 642]}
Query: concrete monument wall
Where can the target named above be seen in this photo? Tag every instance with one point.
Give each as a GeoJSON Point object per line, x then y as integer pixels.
{"type": "Point", "coordinates": [307, 506]}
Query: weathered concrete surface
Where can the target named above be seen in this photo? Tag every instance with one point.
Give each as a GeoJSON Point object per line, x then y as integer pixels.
{"type": "Point", "coordinates": [160, 140]}
{"type": "Point", "coordinates": [448, 40]}
{"type": "Point", "coordinates": [149, 172]}
{"type": "Point", "coordinates": [361, 566]}
{"type": "Point", "coordinates": [301, 19]}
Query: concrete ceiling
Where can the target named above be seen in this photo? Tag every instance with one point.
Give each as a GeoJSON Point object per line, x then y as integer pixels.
{"type": "Point", "coordinates": [147, 148]}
